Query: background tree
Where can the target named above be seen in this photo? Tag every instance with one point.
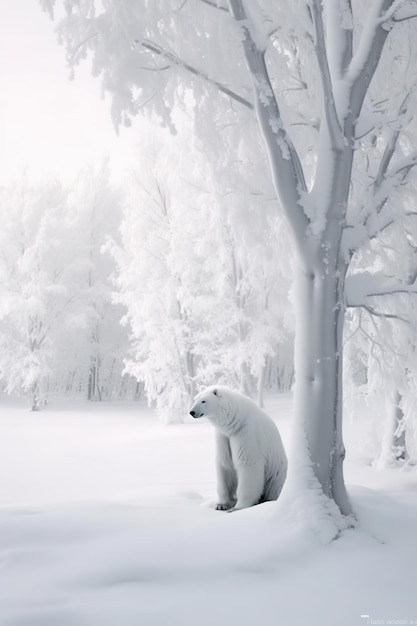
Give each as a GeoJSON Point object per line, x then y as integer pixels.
{"type": "Point", "coordinates": [195, 292]}
{"type": "Point", "coordinates": [37, 271]}
{"type": "Point", "coordinates": [381, 340]}
{"type": "Point", "coordinates": [96, 208]}
{"type": "Point", "coordinates": [59, 330]}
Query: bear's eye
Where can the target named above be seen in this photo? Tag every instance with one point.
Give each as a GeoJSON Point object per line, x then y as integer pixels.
{"type": "Point", "coordinates": [203, 401]}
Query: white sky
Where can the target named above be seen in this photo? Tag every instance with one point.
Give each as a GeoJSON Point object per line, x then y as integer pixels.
{"type": "Point", "coordinates": [47, 122]}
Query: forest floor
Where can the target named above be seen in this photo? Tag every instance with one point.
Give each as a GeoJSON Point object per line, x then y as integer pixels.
{"type": "Point", "coordinates": [105, 520]}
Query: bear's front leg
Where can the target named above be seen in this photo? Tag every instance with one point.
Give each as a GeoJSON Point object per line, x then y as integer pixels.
{"type": "Point", "coordinates": [226, 474]}
{"type": "Point", "coordinates": [226, 487]}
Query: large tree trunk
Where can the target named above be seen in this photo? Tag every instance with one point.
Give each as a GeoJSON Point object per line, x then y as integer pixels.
{"type": "Point", "coordinates": [318, 370]}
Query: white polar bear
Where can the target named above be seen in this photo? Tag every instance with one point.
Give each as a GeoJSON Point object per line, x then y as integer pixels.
{"type": "Point", "coordinates": [250, 459]}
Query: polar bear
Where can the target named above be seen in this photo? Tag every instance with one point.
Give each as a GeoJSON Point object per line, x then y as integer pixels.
{"type": "Point", "coordinates": [251, 462]}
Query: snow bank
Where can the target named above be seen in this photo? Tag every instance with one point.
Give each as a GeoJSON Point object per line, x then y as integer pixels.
{"type": "Point", "coordinates": [129, 539]}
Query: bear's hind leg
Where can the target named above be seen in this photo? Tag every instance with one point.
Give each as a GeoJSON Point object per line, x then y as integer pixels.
{"type": "Point", "coordinates": [251, 484]}
{"type": "Point", "coordinates": [274, 485]}
{"type": "Point", "coordinates": [226, 487]}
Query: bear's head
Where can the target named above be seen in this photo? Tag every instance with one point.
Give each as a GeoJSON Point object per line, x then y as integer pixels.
{"type": "Point", "coordinates": [206, 404]}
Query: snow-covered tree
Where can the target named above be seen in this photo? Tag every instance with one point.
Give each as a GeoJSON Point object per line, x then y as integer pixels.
{"type": "Point", "coordinates": [36, 275]}
{"type": "Point", "coordinates": [150, 287]}
{"type": "Point", "coordinates": [381, 344]}
{"type": "Point", "coordinates": [202, 303]}
{"type": "Point", "coordinates": [331, 85]}
{"type": "Point", "coordinates": [59, 330]}
{"type": "Point", "coordinates": [96, 208]}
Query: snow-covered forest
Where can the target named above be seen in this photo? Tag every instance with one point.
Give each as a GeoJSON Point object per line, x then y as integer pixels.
{"type": "Point", "coordinates": [244, 215]}
{"type": "Point", "coordinates": [150, 287]}
{"type": "Point", "coordinates": [260, 234]}
{"type": "Point", "coordinates": [60, 331]}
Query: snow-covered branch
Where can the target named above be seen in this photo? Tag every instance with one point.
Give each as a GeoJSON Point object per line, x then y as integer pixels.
{"type": "Point", "coordinates": [366, 123]}
{"type": "Point", "coordinates": [388, 177]}
{"type": "Point", "coordinates": [404, 16]}
{"type": "Point", "coordinates": [339, 37]}
{"type": "Point", "coordinates": [215, 5]}
{"type": "Point", "coordinates": [401, 10]}
{"type": "Point", "coordinates": [404, 165]}
{"type": "Point", "coordinates": [364, 285]}
{"type": "Point", "coordinates": [376, 313]}
{"type": "Point", "coordinates": [383, 189]}
{"type": "Point", "coordinates": [173, 58]}
{"type": "Point", "coordinates": [391, 145]}
{"type": "Point", "coordinates": [379, 226]}
{"type": "Point", "coordinates": [366, 58]}
{"type": "Point", "coordinates": [286, 165]}
{"type": "Point", "coordinates": [333, 123]}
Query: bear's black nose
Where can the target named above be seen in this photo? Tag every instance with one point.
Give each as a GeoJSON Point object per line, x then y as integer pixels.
{"type": "Point", "coordinates": [192, 413]}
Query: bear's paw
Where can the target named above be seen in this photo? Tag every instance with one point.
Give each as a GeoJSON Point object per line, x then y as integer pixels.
{"type": "Point", "coordinates": [223, 506]}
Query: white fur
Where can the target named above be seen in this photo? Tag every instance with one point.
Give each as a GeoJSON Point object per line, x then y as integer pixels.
{"type": "Point", "coordinates": [250, 459]}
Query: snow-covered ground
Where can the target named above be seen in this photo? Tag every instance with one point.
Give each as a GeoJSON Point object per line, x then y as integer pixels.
{"type": "Point", "coordinates": [105, 521]}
